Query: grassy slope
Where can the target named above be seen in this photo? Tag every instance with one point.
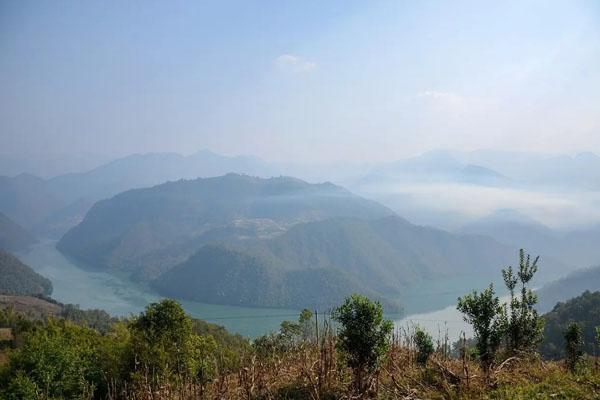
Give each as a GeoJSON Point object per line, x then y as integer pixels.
{"type": "Point", "coordinates": [32, 306]}
{"type": "Point", "coordinates": [295, 376]}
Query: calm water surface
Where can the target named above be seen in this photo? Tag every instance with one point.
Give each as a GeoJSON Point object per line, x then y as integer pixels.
{"type": "Point", "coordinates": [119, 296]}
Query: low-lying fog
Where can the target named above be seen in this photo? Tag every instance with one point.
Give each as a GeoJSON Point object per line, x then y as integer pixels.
{"type": "Point", "coordinates": [451, 205]}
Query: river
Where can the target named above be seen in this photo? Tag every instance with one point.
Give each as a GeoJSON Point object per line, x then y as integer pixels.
{"type": "Point", "coordinates": [118, 296]}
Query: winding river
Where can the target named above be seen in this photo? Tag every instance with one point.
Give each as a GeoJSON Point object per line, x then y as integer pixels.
{"type": "Point", "coordinates": [118, 296]}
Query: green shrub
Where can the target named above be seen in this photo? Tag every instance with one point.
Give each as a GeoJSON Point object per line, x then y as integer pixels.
{"type": "Point", "coordinates": [165, 348]}
{"type": "Point", "coordinates": [61, 360]}
{"type": "Point", "coordinates": [523, 325]}
{"type": "Point", "coordinates": [483, 311]}
{"type": "Point", "coordinates": [424, 346]}
{"type": "Point", "coordinates": [573, 346]}
{"type": "Point", "coordinates": [21, 387]}
{"type": "Point", "coordinates": [363, 338]}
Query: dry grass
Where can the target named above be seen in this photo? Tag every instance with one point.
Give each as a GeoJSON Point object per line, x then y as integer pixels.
{"type": "Point", "coordinates": [29, 306]}
{"type": "Point", "coordinates": [3, 358]}
{"type": "Point", "coordinates": [315, 373]}
{"type": "Point", "coordinates": [6, 334]}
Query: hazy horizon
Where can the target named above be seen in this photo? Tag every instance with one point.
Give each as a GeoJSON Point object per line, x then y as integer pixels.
{"type": "Point", "coordinates": [99, 159]}
{"type": "Point", "coordinates": [303, 82]}
{"type": "Point", "coordinates": [532, 183]}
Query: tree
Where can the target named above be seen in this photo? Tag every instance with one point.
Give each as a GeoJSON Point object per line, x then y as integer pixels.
{"type": "Point", "coordinates": [597, 344]}
{"type": "Point", "coordinates": [21, 387]}
{"type": "Point", "coordinates": [573, 346]}
{"type": "Point", "coordinates": [363, 338]}
{"type": "Point", "coordinates": [424, 346]}
{"type": "Point", "coordinates": [203, 365]}
{"type": "Point", "coordinates": [290, 336]}
{"type": "Point", "coordinates": [597, 336]}
{"type": "Point", "coordinates": [524, 327]}
{"type": "Point", "coordinates": [306, 325]}
{"type": "Point", "coordinates": [59, 360]}
{"type": "Point", "coordinates": [165, 347]}
{"type": "Point", "coordinates": [484, 313]}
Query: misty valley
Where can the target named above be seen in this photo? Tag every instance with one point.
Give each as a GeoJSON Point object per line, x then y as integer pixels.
{"type": "Point", "coordinates": [249, 251]}
{"type": "Point", "coordinates": [244, 256]}
{"type": "Point", "coordinates": [300, 200]}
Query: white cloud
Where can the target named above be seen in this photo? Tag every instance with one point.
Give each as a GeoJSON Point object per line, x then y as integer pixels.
{"type": "Point", "coordinates": [557, 209]}
{"type": "Point", "coordinates": [440, 96]}
{"type": "Point", "coordinates": [295, 63]}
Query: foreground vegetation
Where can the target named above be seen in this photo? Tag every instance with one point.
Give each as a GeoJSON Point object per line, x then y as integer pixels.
{"type": "Point", "coordinates": [141, 360]}
{"type": "Point", "coordinates": [164, 354]}
{"type": "Point", "coordinates": [585, 309]}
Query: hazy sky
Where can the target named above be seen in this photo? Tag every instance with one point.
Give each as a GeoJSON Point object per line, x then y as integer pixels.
{"type": "Point", "coordinates": [299, 80]}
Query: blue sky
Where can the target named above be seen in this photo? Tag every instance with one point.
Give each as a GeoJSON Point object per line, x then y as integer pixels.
{"type": "Point", "coordinates": [303, 81]}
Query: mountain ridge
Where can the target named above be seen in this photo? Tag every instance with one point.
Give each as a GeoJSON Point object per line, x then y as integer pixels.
{"type": "Point", "coordinates": [569, 286]}
{"type": "Point", "coordinates": [166, 215]}
{"type": "Point", "coordinates": [17, 278]}
{"type": "Point", "coordinates": [379, 257]}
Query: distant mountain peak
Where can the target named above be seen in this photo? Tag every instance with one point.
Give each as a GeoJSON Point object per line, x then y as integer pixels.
{"type": "Point", "coordinates": [586, 156]}
{"type": "Point", "coordinates": [207, 153]}
{"type": "Point", "coordinates": [26, 176]}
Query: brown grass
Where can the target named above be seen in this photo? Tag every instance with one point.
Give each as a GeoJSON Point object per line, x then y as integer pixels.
{"type": "Point", "coordinates": [29, 306]}
{"type": "Point", "coordinates": [6, 334]}
{"type": "Point", "coordinates": [315, 372]}
{"type": "Point", "coordinates": [3, 358]}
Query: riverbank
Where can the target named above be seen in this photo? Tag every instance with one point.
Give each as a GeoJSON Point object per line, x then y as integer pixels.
{"type": "Point", "coordinates": [121, 297]}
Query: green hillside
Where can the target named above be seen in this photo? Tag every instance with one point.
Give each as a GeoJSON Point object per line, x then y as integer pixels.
{"type": "Point", "coordinates": [165, 222]}
{"type": "Point", "coordinates": [221, 275]}
{"type": "Point", "coordinates": [386, 253]}
{"type": "Point", "coordinates": [318, 263]}
{"type": "Point", "coordinates": [584, 310]}
{"type": "Point", "coordinates": [17, 278]}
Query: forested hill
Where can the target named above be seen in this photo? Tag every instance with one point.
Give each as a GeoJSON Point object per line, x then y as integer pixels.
{"type": "Point", "coordinates": [221, 275]}
{"type": "Point", "coordinates": [319, 263]}
{"type": "Point", "coordinates": [13, 237]}
{"type": "Point", "coordinates": [584, 310]}
{"type": "Point", "coordinates": [19, 279]}
{"type": "Point", "coordinates": [568, 287]}
{"type": "Point", "coordinates": [278, 242]}
{"type": "Point", "coordinates": [158, 227]}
